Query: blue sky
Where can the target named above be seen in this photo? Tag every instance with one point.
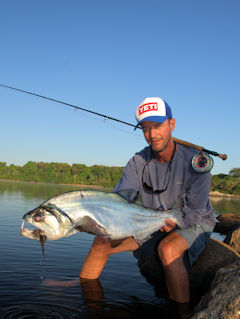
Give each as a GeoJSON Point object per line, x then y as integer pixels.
{"type": "Point", "coordinates": [107, 56]}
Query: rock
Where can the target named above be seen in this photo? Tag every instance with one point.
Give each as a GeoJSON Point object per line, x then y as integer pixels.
{"type": "Point", "coordinates": [231, 218]}
{"type": "Point", "coordinates": [223, 299]}
{"type": "Point", "coordinates": [215, 256]}
{"type": "Point", "coordinates": [233, 239]}
{"type": "Point", "coordinates": [226, 223]}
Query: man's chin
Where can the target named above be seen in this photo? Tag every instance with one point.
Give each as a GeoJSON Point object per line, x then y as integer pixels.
{"type": "Point", "coordinates": [157, 148]}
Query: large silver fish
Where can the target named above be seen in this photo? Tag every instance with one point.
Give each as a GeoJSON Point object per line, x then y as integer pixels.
{"type": "Point", "coordinates": [95, 212]}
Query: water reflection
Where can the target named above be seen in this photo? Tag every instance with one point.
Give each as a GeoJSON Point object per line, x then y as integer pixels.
{"type": "Point", "coordinates": [226, 205]}
{"type": "Point", "coordinates": [39, 190]}
{"type": "Point", "coordinates": [96, 305]}
{"type": "Point", "coordinates": [38, 310]}
{"type": "Point", "coordinates": [92, 290]}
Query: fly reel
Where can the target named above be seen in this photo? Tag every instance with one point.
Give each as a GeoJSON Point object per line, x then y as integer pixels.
{"type": "Point", "coordinates": [202, 162]}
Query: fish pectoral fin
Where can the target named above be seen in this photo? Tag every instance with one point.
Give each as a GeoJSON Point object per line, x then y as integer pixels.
{"type": "Point", "coordinates": [89, 225]}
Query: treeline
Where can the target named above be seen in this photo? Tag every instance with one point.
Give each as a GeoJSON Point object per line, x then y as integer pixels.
{"type": "Point", "coordinates": [62, 173]}
{"type": "Point", "coordinates": [227, 183]}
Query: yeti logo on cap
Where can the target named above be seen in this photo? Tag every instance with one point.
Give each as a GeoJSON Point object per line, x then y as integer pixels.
{"type": "Point", "coordinates": [153, 109]}
{"type": "Point", "coordinates": [147, 107]}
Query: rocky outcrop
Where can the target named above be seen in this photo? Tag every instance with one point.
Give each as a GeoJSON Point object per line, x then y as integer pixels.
{"type": "Point", "coordinates": [215, 256]}
{"type": "Point", "coordinates": [218, 270]}
{"type": "Point", "coordinates": [227, 223]}
{"type": "Point", "coordinates": [233, 239]}
{"type": "Point", "coordinates": [223, 298]}
{"type": "Point", "coordinates": [229, 218]}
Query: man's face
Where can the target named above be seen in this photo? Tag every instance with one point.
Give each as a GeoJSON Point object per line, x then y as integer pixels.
{"type": "Point", "coordinates": [158, 134]}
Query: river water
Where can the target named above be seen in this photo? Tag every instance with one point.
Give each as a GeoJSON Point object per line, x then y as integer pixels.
{"type": "Point", "coordinates": [121, 291]}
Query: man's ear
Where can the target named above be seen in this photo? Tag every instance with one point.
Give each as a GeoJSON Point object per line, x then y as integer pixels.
{"type": "Point", "coordinates": [172, 124]}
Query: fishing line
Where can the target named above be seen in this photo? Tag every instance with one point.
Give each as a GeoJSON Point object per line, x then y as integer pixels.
{"type": "Point", "coordinates": [105, 121]}
{"type": "Point", "coordinates": [67, 104]}
{"type": "Point", "coordinates": [42, 264]}
{"type": "Point", "coordinates": [106, 117]}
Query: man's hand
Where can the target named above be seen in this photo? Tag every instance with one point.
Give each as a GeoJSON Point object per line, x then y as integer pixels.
{"type": "Point", "coordinates": [168, 226]}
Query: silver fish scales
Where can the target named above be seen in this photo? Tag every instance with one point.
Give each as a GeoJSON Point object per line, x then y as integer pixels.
{"type": "Point", "coordinates": [95, 212]}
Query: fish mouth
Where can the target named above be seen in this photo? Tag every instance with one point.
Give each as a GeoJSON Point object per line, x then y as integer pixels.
{"type": "Point", "coordinates": [46, 222]}
{"type": "Point", "coordinates": [33, 232]}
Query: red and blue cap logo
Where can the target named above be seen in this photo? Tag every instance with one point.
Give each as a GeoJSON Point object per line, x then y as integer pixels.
{"type": "Point", "coordinates": [153, 109]}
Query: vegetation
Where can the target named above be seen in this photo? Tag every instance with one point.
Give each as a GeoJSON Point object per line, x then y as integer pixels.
{"type": "Point", "coordinates": [227, 183]}
{"type": "Point", "coordinates": [62, 173]}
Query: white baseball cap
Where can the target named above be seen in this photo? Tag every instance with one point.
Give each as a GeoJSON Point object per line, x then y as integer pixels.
{"type": "Point", "coordinates": [153, 109]}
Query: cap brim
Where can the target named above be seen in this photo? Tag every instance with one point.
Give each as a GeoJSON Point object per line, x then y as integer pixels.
{"type": "Point", "coordinates": [157, 119]}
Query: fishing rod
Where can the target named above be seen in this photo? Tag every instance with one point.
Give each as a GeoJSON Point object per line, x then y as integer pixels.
{"type": "Point", "coordinates": [200, 148]}
{"type": "Point", "coordinates": [68, 104]}
{"type": "Point", "coordinates": [188, 144]}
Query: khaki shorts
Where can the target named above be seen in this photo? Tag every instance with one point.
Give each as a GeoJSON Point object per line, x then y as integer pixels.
{"type": "Point", "coordinates": [196, 236]}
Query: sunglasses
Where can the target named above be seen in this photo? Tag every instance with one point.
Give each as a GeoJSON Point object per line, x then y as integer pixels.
{"type": "Point", "coordinates": [148, 188]}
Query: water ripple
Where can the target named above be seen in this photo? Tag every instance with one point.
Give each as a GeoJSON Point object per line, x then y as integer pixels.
{"type": "Point", "coordinates": [38, 311]}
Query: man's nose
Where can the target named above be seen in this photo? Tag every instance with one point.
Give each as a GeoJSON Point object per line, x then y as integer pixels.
{"type": "Point", "coordinates": [153, 131]}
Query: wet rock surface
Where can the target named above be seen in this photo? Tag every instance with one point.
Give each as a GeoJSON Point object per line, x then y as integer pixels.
{"type": "Point", "coordinates": [223, 298]}
{"type": "Point", "coordinates": [215, 256]}
{"type": "Point", "coordinates": [233, 239]}
{"type": "Point", "coordinates": [226, 223]}
{"type": "Point", "coordinates": [217, 271]}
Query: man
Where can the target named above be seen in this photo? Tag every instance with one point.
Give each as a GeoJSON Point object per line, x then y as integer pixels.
{"type": "Point", "coordinates": [162, 174]}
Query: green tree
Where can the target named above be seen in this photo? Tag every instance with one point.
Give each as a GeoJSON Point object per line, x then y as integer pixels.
{"type": "Point", "coordinates": [29, 172]}
{"type": "Point", "coordinates": [3, 170]}
{"type": "Point", "coordinates": [235, 172]}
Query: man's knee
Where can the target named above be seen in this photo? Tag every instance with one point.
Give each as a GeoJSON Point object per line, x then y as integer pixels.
{"type": "Point", "coordinates": [165, 252]}
{"type": "Point", "coordinates": [171, 249]}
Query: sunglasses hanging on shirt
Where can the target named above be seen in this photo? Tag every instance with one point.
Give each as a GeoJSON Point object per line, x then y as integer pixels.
{"type": "Point", "coordinates": [148, 188]}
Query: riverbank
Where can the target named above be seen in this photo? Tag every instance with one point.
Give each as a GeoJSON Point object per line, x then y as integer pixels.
{"type": "Point", "coordinates": [216, 194]}
{"type": "Point", "coordinates": [212, 194]}
{"type": "Point", "coordinates": [42, 183]}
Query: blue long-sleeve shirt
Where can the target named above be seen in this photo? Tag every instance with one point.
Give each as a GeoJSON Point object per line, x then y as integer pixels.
{"type": "Point", "coordinates": [185, 183]}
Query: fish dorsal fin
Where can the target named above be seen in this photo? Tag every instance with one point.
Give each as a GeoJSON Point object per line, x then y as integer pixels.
{"type": "Point", "coordinates": [89, 225]}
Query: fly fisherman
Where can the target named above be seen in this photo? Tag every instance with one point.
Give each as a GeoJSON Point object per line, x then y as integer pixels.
{"type": "Point", "coordinates": [161, 174]}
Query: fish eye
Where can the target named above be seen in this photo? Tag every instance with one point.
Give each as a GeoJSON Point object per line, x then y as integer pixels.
{"type": "Point", "coordinates": [39, 216]}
